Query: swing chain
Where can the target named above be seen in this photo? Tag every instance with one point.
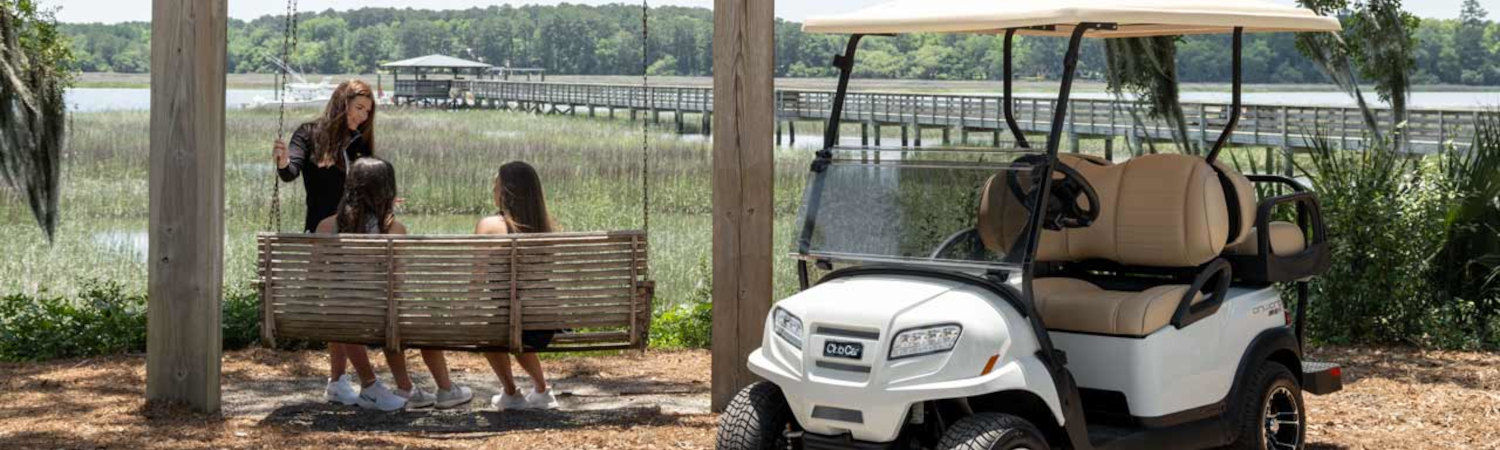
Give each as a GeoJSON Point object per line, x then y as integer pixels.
{"type": "Point", "coordinates": [288, 45]}
{"type": "Point", "coordinates": [645, 124]}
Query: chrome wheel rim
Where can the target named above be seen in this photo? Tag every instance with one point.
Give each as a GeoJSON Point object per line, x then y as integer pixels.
{"type": "Point", "coordinates": [1282, 421]}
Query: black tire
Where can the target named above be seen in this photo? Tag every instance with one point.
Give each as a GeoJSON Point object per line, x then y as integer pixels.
{"type": "Point", "coordinates": [992, 431]}
{"type": "Point", "coordinates": [1270, 415]}
{"type": "Point", "coordinates": [756, 419]}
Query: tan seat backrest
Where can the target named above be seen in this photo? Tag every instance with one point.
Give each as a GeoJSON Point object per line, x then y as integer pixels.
{"type": "Point", "coordinates": [1244, 190]}
{"type": "Point", "coordinates": [1155, 210]}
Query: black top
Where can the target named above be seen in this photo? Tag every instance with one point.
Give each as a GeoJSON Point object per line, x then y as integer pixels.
{"type": "Point", "coordinates": [324, 185]}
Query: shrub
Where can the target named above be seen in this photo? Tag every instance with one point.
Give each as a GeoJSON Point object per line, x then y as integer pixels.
{"type": "Point", "coordinates": [1414, 245]}
{"type": "Point", "coordinates": [1381, 234]}
{"type": "Point", "coordinates": [241, 318]}
{"type": "Point", "coordinates": [102, 320]}
{"type": "Point", "coordinates": [689, 324]}
{"type": "Point", "coordinates": [1469, 260]}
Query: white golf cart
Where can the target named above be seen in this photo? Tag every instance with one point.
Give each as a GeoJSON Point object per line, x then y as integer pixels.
{"type": "Point", "coordinates": [1018, 298]}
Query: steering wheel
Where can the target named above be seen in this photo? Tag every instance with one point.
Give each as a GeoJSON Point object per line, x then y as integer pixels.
{"type": "Point", "coordinates": [1063, 211]}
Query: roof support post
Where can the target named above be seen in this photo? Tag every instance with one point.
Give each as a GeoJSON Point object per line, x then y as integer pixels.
{"type": "Point", "coordinates": [1054, 140]}
{"type": "Point", "coordinates": [183, 338]}
{"type": "Point", "coordinates": [1009, 107]}
{"type": "Point", "coordinates": [743, 167]}
{"type": "Point", "coordinates": [1235, 106]}
{"type": "Point", "coordinates": [845, 64]}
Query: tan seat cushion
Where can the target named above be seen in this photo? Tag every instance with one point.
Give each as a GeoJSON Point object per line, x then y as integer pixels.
{"type": "Point", "coordinates": [1286, 239]}
{"type": "Point", "coordinates": [1154, 210]}
{"type": "Point", "coordinates": [1069, 304]}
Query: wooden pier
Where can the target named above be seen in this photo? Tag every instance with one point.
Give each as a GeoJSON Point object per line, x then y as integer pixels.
{"type": "Point", "coordinates": [976, 119]}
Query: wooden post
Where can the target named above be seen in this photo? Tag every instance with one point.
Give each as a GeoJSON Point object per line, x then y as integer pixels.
{"type": "Point", "coordinates": [186, 282]}
{"type": "Point", "coordinates": [1203, 128]}
{"type": "Point", "coordinates": [744, 57]}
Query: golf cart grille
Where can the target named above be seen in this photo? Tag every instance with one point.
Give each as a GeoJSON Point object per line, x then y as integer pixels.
{"type": "Point", "coordinates": [839, 414]}
{"type": "Point", "coordinates": [847, 333]}
{"type": "Point", "coordinates": [844, 367]}
{"type": "Point", "coordinates": [814, 441]}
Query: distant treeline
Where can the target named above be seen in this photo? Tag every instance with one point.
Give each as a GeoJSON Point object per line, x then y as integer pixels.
{"type": "Point", "coordinates": [605, 40]}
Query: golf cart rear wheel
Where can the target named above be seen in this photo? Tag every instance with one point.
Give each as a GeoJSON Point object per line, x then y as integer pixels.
{"type": "Point", "coordinates": [1271, 415]}
{"type": "Point", "coordinates": [993, 431]}
{"type": "Point", "coordinates": [756, 419]}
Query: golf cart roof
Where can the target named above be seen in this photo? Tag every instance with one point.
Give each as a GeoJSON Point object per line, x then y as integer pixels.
{"type": "Point", "coordinates": [1136, 18]}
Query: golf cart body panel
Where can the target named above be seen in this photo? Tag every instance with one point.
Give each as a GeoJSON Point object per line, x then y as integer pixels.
{"type": "Point", "coordinates": [1003, 290]}
{"type": "Point", "coordinates": [1174, 370]}
{"type": "Point", "coordinates": [869, 397]}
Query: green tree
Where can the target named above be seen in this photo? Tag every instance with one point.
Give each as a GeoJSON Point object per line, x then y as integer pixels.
{"type": "Point", "coordinates": [1473, 55]}
{"type": "Point", "coordinates": [368, 47]}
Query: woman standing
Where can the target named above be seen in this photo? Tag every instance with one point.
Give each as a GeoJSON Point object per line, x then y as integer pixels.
{"type": "Point", "coordinates": [321, 152]}
{"type": "Point", "coordinates": [523, 209]}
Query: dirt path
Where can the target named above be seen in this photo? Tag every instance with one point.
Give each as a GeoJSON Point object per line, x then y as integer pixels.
{"type": "Point", "coordinates": [1392, 399]}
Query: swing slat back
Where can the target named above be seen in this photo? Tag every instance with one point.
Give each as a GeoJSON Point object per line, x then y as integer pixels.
{"type": "Point", "coordinates": [457, 292]}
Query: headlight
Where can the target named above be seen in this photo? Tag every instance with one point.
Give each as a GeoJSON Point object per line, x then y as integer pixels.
{"type": "Point", "coordinates": [925, 340]}
{"type": "Point", "coordinates": [788, 326]}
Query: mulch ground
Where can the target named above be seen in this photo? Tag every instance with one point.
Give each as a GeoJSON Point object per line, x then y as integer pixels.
{"type": "Point", "coordinates": [1393, 398]}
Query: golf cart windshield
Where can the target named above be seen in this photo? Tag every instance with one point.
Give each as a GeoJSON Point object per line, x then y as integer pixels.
{"type": "Point", "coordinates": [918, 206]}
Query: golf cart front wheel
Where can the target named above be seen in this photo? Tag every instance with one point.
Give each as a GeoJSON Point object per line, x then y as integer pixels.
{"type": "Point", "coordinates": [758, 418]}
{"type": "Point", "coordinates": [993, 431]}
{"type": "Point", "coordinates": [1271, 415]}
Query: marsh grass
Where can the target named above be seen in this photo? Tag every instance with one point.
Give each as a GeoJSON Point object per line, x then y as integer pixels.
{"type": "Point", "coordinates": [445, 162]}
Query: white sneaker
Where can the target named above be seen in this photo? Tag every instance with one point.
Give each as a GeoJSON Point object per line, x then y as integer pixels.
{"type": "Point", "coordinates": [452, 398]}
{"type": "Point", "coordinates": [341, 391]}
{"type": "Point", "coordinates": [376, 396]}
{"type": "Point", "coordinates": [417, 398]}
{"type": "Point", "coordinates": [540, 400]}
{"type": "Point", "coordinates": [506, 402]}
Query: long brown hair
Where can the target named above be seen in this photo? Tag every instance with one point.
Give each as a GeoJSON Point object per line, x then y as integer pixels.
{"type": "Point", "coordinates": [333, 126]}
{"type": "Point", "coordinates": [522, 203]}
{"type": "Point", "coordinates": [369, 199]}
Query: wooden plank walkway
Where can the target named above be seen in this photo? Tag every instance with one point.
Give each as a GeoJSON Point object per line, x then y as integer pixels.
{"type": "Point", "coordinates": [1285, 127]}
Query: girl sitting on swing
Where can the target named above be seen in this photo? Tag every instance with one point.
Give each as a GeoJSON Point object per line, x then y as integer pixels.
{"type": "Point", "coordinates": [523, 209]}
{"type": "Point", "coordinates": [368, 207]}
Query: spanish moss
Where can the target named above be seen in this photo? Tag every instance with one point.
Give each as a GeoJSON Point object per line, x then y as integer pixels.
{"type": "Point", "coordinates": [1147, 68]}
{"type": "Point", "coordinates": [32, 109]}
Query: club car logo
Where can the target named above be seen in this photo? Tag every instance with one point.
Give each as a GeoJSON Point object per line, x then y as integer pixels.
{"type": "Point", "coordinates": [1269, 309]}
{"type": "Point", "coordinates": [849, 350]}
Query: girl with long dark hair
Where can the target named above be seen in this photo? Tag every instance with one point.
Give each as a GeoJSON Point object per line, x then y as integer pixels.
{"type": "Point", "coordinates": [368, 207]}
{"type": "Point", "coordinates": [320, 153]}
{"type": "Point", "coordinates": [522, 209]}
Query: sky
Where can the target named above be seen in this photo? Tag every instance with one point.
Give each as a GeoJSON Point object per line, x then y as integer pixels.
{"type": "Point", "coordinates": [111, 11]}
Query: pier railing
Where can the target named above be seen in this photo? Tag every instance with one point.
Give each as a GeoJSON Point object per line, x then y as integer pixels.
{"type": "Point", "coordinates": [1288, 127]}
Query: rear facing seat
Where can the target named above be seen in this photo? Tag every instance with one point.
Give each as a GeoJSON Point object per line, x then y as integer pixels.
{"type": "Point", "coordinates": [1294, 250]}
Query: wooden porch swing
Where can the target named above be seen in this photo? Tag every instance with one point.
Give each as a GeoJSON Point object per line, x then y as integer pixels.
{"type": "Point", "coordinates": [459, 292]}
